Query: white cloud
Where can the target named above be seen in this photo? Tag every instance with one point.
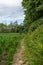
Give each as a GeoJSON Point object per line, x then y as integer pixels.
{"type": "Point", "coordinates": [12, 18]}
{"type": "Point", "coordinates": [9, 19]}
{"type": "Point", "coordinates": [11, 10]}
{"type": "Point", "coordinates": [10, 2]}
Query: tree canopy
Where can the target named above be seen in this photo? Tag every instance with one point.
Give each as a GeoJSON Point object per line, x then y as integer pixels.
{"type": "Point", "coordinates": [33, 10]}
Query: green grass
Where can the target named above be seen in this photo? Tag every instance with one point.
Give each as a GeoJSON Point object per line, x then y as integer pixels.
{"type": "Point", "coordinates": [40, 8]}
{"type": "Point", "coordinates": [8, 45]}
{"type": "Point", "coordinates": [36, 24]}
{"type": "Point", "coordinates": [34, 47]}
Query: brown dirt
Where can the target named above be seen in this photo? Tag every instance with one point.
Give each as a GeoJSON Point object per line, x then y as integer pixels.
{"type": "Point", "coordinates": [18, 56]}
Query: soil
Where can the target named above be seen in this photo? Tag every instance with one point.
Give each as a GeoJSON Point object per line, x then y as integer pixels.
{"type": "Point", "coordinates": [18, 56]}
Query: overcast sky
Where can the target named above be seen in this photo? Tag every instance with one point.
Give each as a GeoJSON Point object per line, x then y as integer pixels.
{"type": "Point", "coordinates": [11, 10]}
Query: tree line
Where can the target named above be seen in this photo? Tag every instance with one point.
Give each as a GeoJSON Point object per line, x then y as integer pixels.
{"type": "Point", "coordinates": [11, 28]}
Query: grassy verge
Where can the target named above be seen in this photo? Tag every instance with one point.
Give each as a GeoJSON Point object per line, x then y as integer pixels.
{"type": "Point", "coordinates": [34, 47]}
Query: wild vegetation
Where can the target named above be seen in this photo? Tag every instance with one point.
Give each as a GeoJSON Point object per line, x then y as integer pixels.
{"type": "Point", "coordinates": [33, 11]}
{"type": "Point", "coordinates": [33, 40]}
{"type": "Point", "coordinates": [33, 24]}
{"type": "Point", "coordinates": [13, 27]}
{"type": "Point", "coordinates": [34, 47]}
{"type": "Point", "coordinates": [8, 45]}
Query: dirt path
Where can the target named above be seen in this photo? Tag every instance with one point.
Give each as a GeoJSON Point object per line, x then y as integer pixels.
{"type": "Point", "coordinates": [18, 57]}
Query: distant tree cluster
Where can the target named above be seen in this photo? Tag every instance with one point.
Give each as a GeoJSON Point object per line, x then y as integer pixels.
{"type": "Point", "coordinates": [11, 28]}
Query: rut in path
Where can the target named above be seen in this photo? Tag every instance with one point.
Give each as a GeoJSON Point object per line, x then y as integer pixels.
{"type": "Point", "coordinates": [18, 56]}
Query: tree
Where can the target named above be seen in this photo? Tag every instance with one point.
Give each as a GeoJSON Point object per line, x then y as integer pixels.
{"type": "Point", "coordinates": [31, 13]}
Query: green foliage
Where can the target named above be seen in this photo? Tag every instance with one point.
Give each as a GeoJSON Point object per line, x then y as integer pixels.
{"type": "Point", "coordinates": [35, 25]}
{"type": "Point", "coordinates": [12, 27]}
{"type": "Point", "coordinates": [8, 45]}
{"type": "Point", "coordinates": [33, 10]}
{"type": "Point", "coordinates": [34, 47]}
{"type": "Point", "coordinates": [40, 8]}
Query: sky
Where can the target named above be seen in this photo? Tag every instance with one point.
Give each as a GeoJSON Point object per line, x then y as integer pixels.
{"type": "Point", "coordinates": [10, 11]}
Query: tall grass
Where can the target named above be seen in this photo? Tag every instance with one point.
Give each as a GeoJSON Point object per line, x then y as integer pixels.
{"type": "Point", "coordinates": [8, 44]}
{"type": "Point", "coordinates": [34, 47]}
